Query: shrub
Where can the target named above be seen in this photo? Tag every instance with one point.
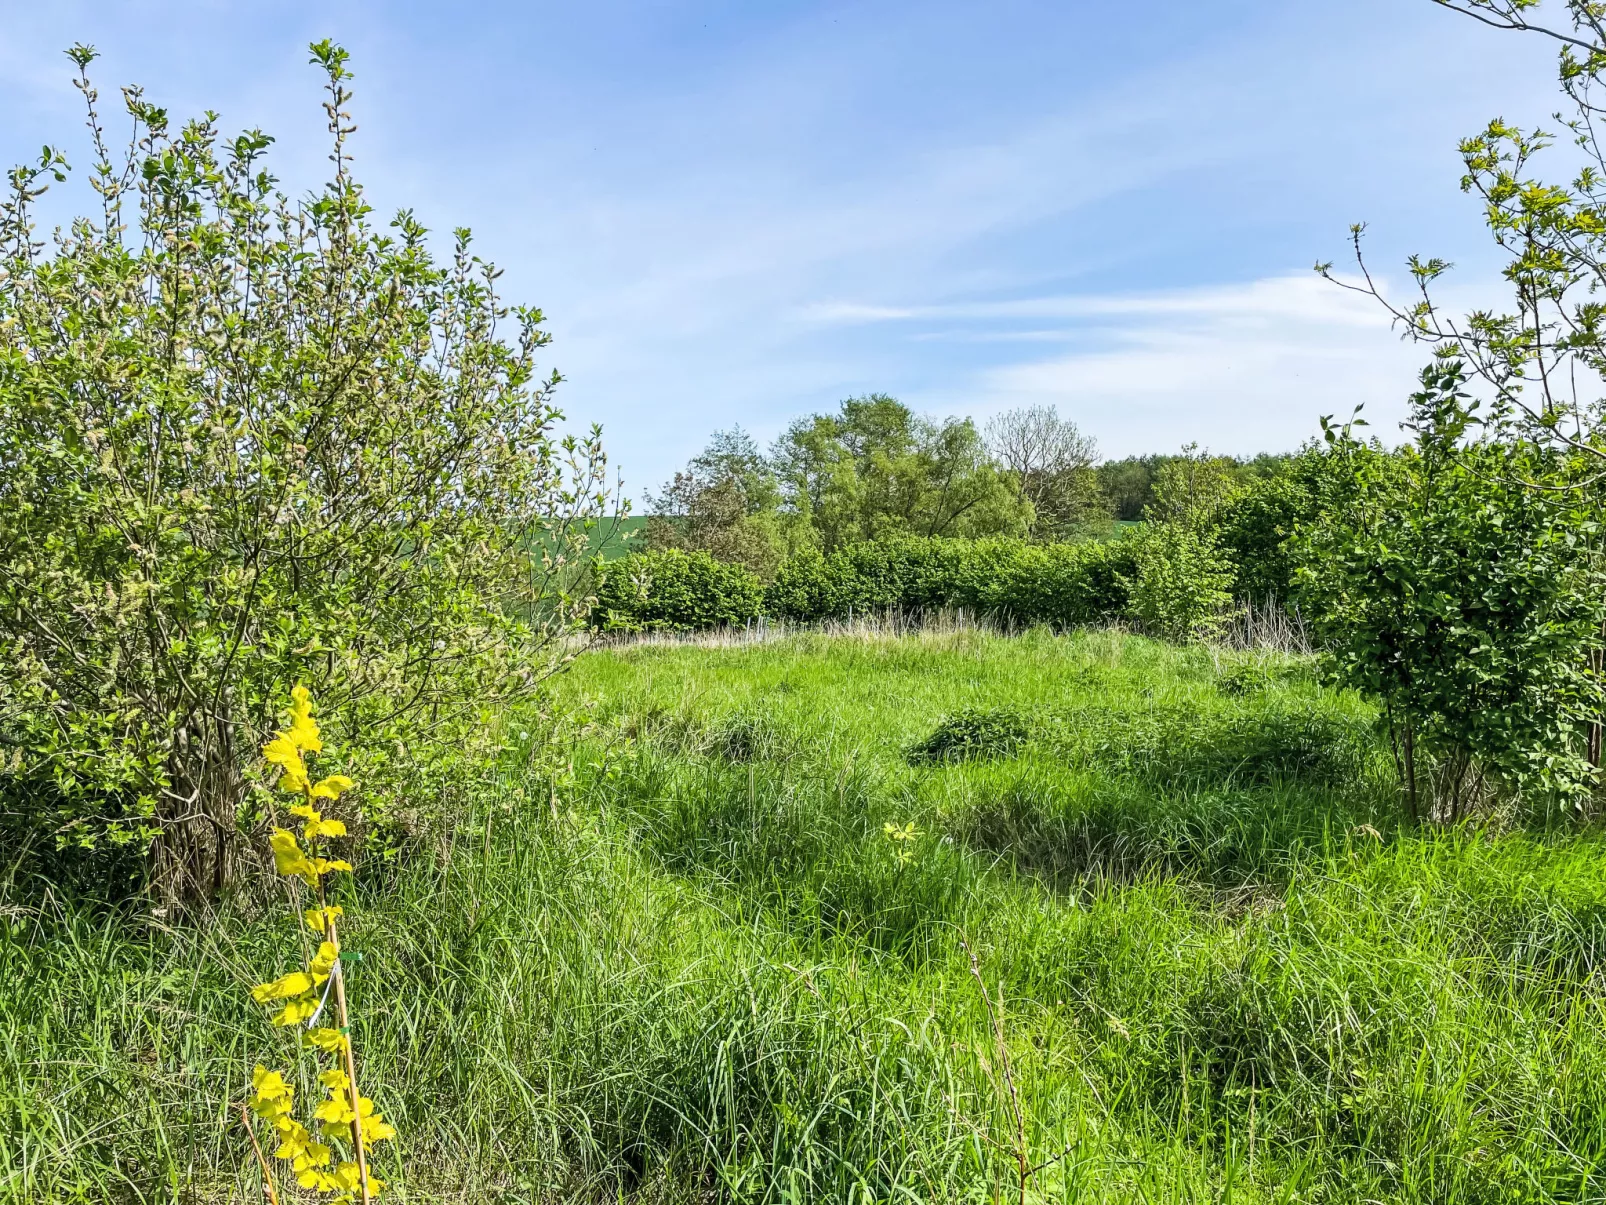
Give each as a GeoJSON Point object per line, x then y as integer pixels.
{"type": "Point", "coordinates": [671, 590]}
{"type": "Point", "coordinates": [248, 440]}
{"type": "Point", "coordinates": [1059, 584]}
{"type": "Point", "coordinates": [1466, 602]}
{"type": "Point", "coordinates": [747, 737]}
{"type": "Point", "coordinates": [1256, 530]}
{"type": "Point", "coordinates": [1180, 590]}
{"type": "Point", "coordinates": [1173, 745]}
{"type": "Point", "coordinates": [1064, 585]}
{"type": "Point", "coordinates": [973, 734]}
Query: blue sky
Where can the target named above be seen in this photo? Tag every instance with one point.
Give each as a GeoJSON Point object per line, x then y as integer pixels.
{"type": "Point", "coordinates": [742, 212]}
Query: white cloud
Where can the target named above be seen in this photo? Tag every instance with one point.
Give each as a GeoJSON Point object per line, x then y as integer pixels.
{"type": "Point", "coordinates": [1240, 369]}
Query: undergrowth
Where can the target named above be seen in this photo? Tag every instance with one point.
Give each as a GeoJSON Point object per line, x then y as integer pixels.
{"type": "Point", "coordinates": [709, 971]}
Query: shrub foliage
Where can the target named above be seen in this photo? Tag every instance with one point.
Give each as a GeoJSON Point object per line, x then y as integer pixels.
{"type": "Point", "coordinates": [672, 590]}
{"type": "Point", "coordinates": [246, 441]}
{"type": "Point", "coordinates": [1058, 584]}
{"type": "Point", "coordinates": [1464, 600]}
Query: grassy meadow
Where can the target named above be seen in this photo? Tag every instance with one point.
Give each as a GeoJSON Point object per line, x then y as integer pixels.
{"type": "Point", "coordinates": [1157, 933]}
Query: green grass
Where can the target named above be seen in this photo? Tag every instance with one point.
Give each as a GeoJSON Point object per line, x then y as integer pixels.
{"type": "Point", "coordinates": [1229, 972]}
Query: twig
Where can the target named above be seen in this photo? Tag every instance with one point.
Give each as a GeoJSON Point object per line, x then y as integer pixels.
{"type": "Point", "coordinates": [262, 1160]}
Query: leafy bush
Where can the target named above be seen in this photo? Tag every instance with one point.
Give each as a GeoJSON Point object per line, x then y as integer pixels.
{"type": "Point", "coordinates": [747, 737]}
{"type": "Point", "coordinates": [1064, 585]}
{"type": "Point", "coordinates": [671, 590]}
{"type": "Point", "coordinates": [1256, 529]}
{"type": "Point", "coordinates": [1464, 600]}
{"type": "Point", "coordinates": [250, 441]}
{"type": "Point", "coordinates": [1173, 580]}
{"type": "Point", "coordinates": [1181, 588]}
{"type": "Point", "coordinates": [1059, 584]}
{"type": "Point", "coordinates": [973, 734]}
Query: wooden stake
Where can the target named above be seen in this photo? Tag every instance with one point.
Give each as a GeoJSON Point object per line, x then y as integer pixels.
{"type": "Point", "coordinates": [351, 1064]}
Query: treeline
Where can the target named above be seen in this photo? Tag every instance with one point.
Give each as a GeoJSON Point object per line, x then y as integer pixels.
{"type": "Point", "coordinates": [1032, 549]}
{"type": "Point", "coordinates": [874, 471]}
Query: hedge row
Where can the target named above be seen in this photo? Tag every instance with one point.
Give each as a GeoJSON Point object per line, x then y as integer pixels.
{"type": "Point", "coordinates": [1059, 584]}
{"type": "Point", "coordinates": [673, 590]}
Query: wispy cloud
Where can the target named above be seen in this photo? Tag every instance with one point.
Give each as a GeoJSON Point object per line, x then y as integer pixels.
{"type": "Point", "coordinates": [1239, 369]}
{"type": "Point", "coordinates": [743, 213]}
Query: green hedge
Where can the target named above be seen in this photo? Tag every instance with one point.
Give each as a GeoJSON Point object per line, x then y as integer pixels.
{"type": "Point", "coordinates": [1059, 584]}
{"type": "Point", "coordinates": [671, 590]}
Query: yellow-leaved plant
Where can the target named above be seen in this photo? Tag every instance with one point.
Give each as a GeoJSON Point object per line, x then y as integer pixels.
{"type": "Point", "coordinates": [345, 1123]}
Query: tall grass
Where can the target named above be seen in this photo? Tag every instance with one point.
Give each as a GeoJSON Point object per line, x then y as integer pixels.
{"type": "Point", "coordinates": [1228, 973]}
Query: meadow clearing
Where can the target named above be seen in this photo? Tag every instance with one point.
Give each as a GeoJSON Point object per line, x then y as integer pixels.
{"type": "Point", "coordinates": [730, 957]}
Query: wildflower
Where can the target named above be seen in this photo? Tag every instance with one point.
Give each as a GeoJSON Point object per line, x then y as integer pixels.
{"type": "Point", "coordinates": [902, 838]}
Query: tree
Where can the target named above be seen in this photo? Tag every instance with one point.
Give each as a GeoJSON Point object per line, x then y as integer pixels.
{"type": "Point", "coordinates": [1256, 527]}
{"type": "Point", "coordinates": [1051, 463]}
{"type": "Point", "coordinates": [1181, 584]}
{"type": "Point", "coordinates": [1538, 361]}
{"type": "Point", "coordinates": [1190, 490]}
{"type": "Point", "coordinates": [1128, 485]}
{"type": "Point", "coordinates": [249, 442]}
{"type": "Point", "coordinates": [876, 470]}
{"type": "Point", "coordinates": [1534, 360]}
{"type": "Point", "coordinates": [726, 503]}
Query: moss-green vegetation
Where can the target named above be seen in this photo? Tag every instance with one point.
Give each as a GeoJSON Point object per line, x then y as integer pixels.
{"type": "Point", "coordinates": [702, 971]}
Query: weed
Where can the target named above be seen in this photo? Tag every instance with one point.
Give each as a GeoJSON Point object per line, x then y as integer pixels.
{"type": "Point", "coordinates": [973, 734]}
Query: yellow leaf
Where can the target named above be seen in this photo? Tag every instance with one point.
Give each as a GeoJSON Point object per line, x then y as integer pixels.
{"type": "Point", "coordinates": [304, 734]}
{"type": "Point", "coordinates": [376, 1129]}
{"type": "Point", "coordinates": [289, 860]}
{"type": "Point", "coordinates": [293, 984]}
{"type": "Point", "coordinates": [332, 787]}
{"type": "Point", "coordinates": [336, 1111]}
{"type": "Point", "coordinates": [303, 728]}
{"type": "Point", "coordinates": [318, 918]}
{"type": "Point", "coordinates": [319, 1181]}
{"type": "Point", "coordinates": [296, 1011]}
{"type": "Point", "coordinates": [270, 1085]}
{"type": "Point", "coordinates": [282, 752]}
{"type": "Point", "coordinates": [323, 828]}
{"type": "Point", "coordinates": [330, 1041]}
{"type": "Point", "coordinates": [323, 960]}
{"type": "Point", "coordinates": [349, 1178]}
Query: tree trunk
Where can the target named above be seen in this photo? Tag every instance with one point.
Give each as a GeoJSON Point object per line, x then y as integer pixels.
{"type": "Point", "coordinates": [192, 858]}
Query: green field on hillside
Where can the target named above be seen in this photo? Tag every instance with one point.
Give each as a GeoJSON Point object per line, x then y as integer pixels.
{"type": "Point", "coordinates": [731, 957]}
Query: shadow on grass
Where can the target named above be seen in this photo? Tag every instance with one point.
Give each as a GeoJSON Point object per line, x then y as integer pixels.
{"type": "Point", "coordinates": [1070, 830]}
